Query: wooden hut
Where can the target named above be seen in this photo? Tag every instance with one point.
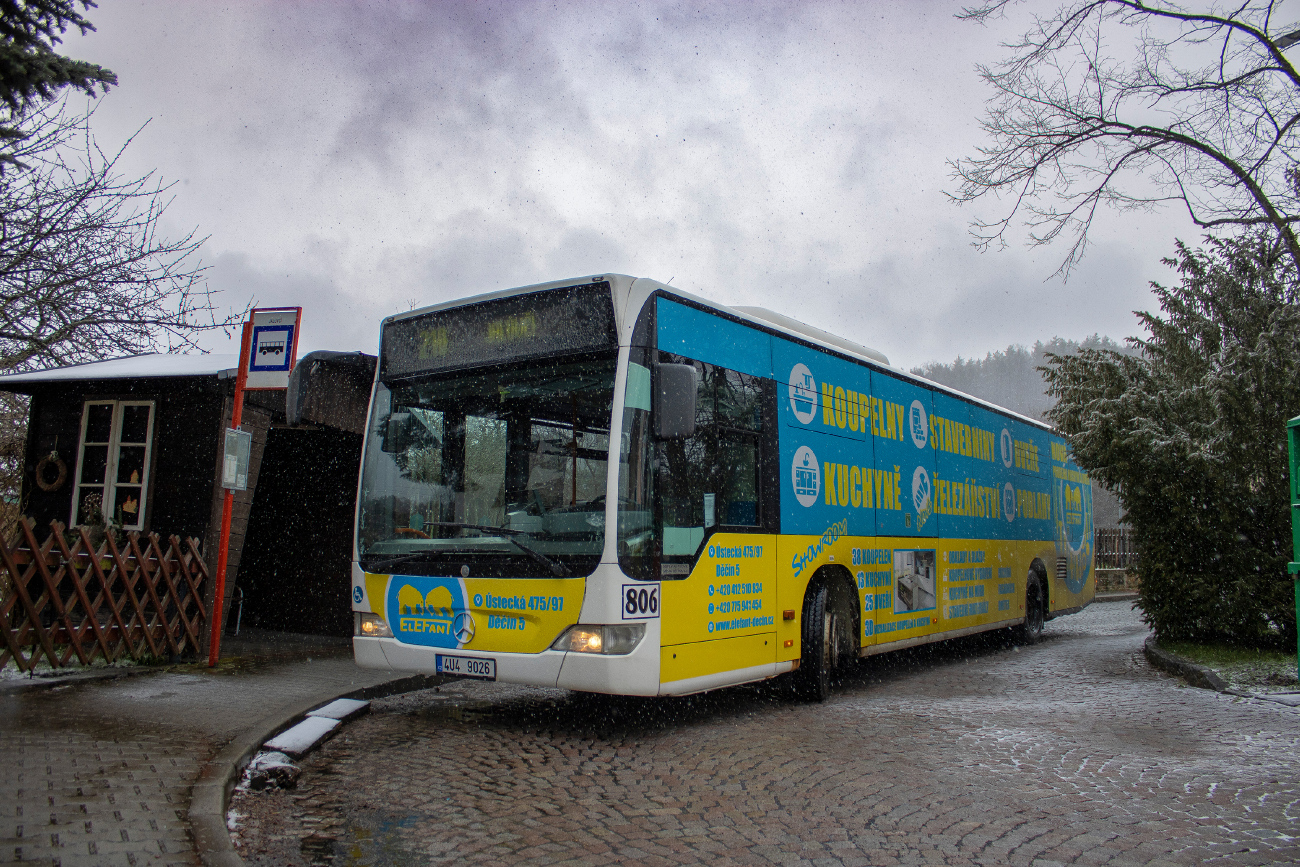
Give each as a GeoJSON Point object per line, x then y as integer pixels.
{"type": "Point", "coordinates": [135, 442]}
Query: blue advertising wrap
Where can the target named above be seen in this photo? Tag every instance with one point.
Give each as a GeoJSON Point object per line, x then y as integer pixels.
{"type": "Point", "coordinates": [881, 454]}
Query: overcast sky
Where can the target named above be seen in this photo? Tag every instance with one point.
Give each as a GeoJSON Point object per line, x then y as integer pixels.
{"type": "Point", "coordinates": [361, 159]}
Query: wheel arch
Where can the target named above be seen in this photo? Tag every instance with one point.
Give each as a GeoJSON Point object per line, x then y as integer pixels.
{"type": "Point", "coordinates": [1038, 569]}
{"type": "Point", "coordinates": [842, 592]}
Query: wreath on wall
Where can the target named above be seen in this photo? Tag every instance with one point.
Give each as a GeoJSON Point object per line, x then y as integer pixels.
{"type": "Point", "coordinates": [43, 481]}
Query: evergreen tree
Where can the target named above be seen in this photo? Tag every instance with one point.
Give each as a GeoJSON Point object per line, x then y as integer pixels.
{"type": "Point", "coordinates": [31, 71]}
{"type": "Point", "coordinates": [29, 67]}
{"type": "Point", "coordinates": [1192, 433]}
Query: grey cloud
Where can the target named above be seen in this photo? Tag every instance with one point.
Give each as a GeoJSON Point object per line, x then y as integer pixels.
{"type": "Point", "coordinates": [332, 319]}
{"type": "Point", "coordinates": [782, 154]}
{"type": "Point", "coordinates": [461, 70]}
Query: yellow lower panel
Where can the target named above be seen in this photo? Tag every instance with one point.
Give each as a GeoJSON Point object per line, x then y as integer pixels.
{"type": "Point", "coordinates": [509, 615]}
{"type": "Point", "coordinates": [730, 591]}
{"type": "Point", "coordinates": [680, 661]}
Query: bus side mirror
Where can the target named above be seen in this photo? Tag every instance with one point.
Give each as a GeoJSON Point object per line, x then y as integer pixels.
{"type": "Point", "coordinates": [397, 433]}
{"type": "Point", "coordinates": [674, 401]}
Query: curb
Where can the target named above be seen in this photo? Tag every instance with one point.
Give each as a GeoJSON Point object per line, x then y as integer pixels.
{"type": "Point", "coordinates": [1179, 667]}
{"type": "Point", "coordinates": [1117, 596]}
{"type": "Point", "coordinates": [71, 678]}
{"type": "Point", "coordinates": [1199, 675]}
{"type": "Point", "coordinates": [1196, 675]}
{"type": "Point", "coordinates": [210, 795]}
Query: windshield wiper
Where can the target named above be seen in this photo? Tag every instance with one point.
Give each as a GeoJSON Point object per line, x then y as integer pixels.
{"type": "Point", "coordinates": [385, 565]}
{"type": "Point", "coordinates": [556, 568]}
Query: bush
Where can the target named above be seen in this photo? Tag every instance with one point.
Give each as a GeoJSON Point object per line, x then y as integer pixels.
{"type": "Point", "coordinates": [1191, 433]}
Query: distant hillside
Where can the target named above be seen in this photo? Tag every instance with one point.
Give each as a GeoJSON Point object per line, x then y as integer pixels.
{"type": "Point", "coordinates": [1010, 377]}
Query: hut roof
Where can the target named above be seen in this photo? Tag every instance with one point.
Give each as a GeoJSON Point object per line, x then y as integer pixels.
{"type": "Point", "coordinates": [150, 366]}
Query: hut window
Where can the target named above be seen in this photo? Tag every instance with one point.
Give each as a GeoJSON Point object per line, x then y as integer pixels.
{"type": "Point", "coordinates": [113, 463]}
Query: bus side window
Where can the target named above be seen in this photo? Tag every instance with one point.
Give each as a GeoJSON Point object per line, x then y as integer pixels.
{"type": "Point", "coordinates": [711, 479]}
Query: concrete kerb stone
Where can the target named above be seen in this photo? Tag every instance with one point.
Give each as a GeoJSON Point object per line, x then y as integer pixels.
{"type": "Point", "coordinates": [71, 676]}
{"type": "Point", "coordinates": [1196, 675]}
{"type": "Point", "coordinates": [211, 793]}
{"type": "Point", "coordinates": [1205, 678]}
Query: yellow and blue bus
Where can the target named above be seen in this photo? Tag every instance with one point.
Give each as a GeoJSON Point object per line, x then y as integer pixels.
{"type": "Point", "coordinates": [610, 485]}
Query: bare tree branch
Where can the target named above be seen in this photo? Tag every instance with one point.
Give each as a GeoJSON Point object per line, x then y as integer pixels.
{"type": "Point", "coordinates": [84, 272]}
{"type": "Point", "coordinates": [1204, 111]}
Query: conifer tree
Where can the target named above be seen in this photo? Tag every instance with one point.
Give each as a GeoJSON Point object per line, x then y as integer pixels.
{"type": "Point", "coordinates": [1192, 434]}
{"type": "Point", "coordinates": [31, 71]}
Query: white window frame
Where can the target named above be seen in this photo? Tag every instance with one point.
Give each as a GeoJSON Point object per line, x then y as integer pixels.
{"type": "Point", "coordinates": [110, 484]}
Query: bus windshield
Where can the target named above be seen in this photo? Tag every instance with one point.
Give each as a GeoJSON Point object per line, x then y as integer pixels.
{"type": "Point", "coordinates": [499, 470]}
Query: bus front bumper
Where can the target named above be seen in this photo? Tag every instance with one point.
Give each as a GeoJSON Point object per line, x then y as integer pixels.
{"type": "Point", "coordinates": [635, 673]}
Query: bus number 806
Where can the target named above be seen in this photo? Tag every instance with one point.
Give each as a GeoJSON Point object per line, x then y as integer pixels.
{"type": "Point", "coordinates": [640, 601]}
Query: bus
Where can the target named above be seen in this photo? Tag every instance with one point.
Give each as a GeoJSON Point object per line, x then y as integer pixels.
{"type": "Point", "coordinates": [610, 485]}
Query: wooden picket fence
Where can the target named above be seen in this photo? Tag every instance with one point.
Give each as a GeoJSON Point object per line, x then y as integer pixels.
{"type": "Point", "coordinates": [72, 603]}
{"type": "Point", "coordinates": [1114, 548]}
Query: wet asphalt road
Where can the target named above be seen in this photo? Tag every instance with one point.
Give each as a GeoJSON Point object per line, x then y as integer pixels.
{"type": "Point", "coordinates": [1072, 751]}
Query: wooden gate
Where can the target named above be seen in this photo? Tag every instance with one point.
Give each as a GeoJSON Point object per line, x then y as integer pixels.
{"type": "Point", "coordinates": [68, 602]}
{"type": "Point", "coordinates": [1114, 548]}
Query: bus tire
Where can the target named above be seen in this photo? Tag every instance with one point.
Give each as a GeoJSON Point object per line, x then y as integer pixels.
{"type": "Point", "coordinates": [821, 635]}
{"type": "Point", "coordinates": [1031, 630]}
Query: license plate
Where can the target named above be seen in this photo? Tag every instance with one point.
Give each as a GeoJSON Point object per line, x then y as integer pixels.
{"type": "Point", "coordinates": [467, 666]}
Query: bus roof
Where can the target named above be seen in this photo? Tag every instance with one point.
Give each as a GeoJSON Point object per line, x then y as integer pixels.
{"type": "Point", "coordinates": [758, 317]}
{"type": "Point", "coordinates": [844, 348]}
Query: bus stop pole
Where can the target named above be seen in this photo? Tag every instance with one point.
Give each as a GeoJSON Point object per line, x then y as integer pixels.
{"type": "Point", "coordinates": [1293, 453]}
{"type": "Point", "coordinates": [223, 544]}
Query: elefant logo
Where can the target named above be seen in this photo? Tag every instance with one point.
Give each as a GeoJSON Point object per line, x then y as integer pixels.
{"type": "Point", "coordinates": [1009, 501]}
{"type": "Point", "coordinates": [806, 475]}
{"type": "Point", "coordinates": [423, 610]}
{"type": "Point", "coordinates": [803, 393]}
{"type": "Point", "coordinates": [1007, 448]}
{"type": "Point", "coordinates": [1072, 503]}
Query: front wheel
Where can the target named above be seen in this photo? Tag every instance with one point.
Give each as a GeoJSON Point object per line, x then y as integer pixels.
{"type": "Point", "coordinates": [821, 636]}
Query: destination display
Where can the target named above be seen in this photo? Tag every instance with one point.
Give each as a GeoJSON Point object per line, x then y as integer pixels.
{"type": "Point", "coordinates": [549, 322]}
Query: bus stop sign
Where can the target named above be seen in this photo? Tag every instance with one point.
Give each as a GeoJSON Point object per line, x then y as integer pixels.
{"type": "Point", "coordinates": [273, 349]}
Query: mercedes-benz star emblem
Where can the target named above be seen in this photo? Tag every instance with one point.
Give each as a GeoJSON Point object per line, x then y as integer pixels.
{"type": "Point", "coordinates": [463, 626]}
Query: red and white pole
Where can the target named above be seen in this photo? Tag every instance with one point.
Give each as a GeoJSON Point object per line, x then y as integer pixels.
{"type": "Point", "coordinates": [223, 544]}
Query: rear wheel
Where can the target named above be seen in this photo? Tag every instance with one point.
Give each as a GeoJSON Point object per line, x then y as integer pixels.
{"type": "Point", "coordinates": [1035, 611]}
{"type": "Point", "coordinates": [823, 636]}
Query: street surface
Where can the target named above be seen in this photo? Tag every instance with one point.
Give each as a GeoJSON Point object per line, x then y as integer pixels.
{"type": "Point", "coordinates": [99, 773]}
{"type": "Point", "coordinates": [1072, 751]}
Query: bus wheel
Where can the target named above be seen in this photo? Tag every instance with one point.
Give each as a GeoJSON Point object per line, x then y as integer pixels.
{"type": "Point", "coordinates": [822, 627]}
{"type": "Point", "coordinates": [1035, 611]}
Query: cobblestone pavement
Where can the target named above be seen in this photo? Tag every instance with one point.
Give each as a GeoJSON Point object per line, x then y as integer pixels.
{"type": "Point", "coordinates": [99, 773]}
{"type": "Point", "coordinates": [1072, 751]}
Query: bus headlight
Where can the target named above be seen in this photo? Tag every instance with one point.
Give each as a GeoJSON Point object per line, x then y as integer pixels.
{"type": "Point", "coordinates": [608, 639]}
{"type": "Point", "coordinates": [371, 626]}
